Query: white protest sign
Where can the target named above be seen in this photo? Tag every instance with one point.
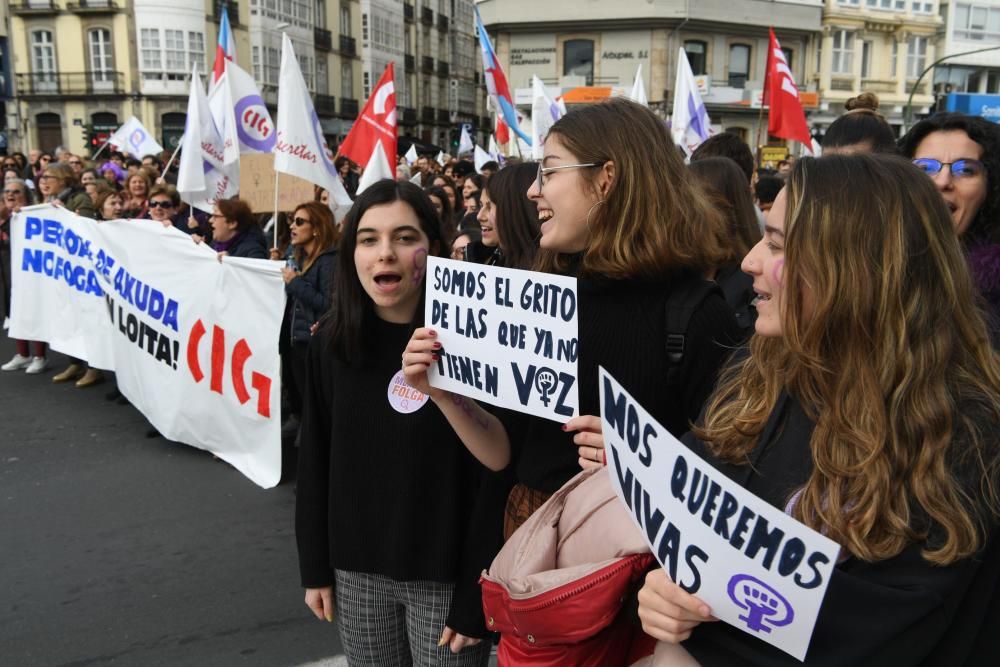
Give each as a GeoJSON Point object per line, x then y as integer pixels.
{"type": "Point", "coordinates": [509, 337]}
{"type": "Point", "coordinates": [758, 569]}
{"type": "Point", "coordinates": [193, 341]}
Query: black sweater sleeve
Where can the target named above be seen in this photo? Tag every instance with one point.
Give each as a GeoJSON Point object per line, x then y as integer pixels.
{"type": "Point", "coordinates": [312, 494]}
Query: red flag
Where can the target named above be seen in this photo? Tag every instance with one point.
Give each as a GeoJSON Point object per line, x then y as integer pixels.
{"type": "Point", "coordinates": [376, 122]}
{"type": "Point", "coordinates": [786, 118]}
{"type": "Point", "coordinates": [503, 132]}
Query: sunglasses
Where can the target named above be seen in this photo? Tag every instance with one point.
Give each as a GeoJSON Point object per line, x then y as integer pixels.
{"type": "Point", "coordinates": [543, 171]}
{"type": "Point", "coordinates": [161, 204]}
{"type": "Point", "coordinates": [964, 168]}
{"type": "Point", "coordinates": [298, 222]}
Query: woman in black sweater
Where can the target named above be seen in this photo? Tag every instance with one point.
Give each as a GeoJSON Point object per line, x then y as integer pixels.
{"type": "Point", "coordinates": [620, 213]}
{"type": "Point", "coordinates": [385, 489]}
{"type": "Point", "coordinates": [867, 409]}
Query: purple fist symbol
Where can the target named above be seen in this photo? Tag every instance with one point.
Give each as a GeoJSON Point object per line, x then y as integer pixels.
{"type": "Point", "coordinates": [763, 604]}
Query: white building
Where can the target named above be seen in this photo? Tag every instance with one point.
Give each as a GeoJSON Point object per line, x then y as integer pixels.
{"type": "Point", "coordinates": [970, 25]}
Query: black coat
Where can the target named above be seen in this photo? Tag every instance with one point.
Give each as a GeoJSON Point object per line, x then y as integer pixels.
{"type": "Point", "coordinates": [309, 296]}
{"type": "Point", "coordinates": [250, 243]}
{"type": "Point", "coordinates": [900, 611]}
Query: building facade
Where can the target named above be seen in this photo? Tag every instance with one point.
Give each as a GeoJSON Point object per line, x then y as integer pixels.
{"type": "Point", "coordinates": [971, 25]}
{"type": "Point", "coordinates": [878, 46]}
{"type": "Point", "coordinates": [586, 51]}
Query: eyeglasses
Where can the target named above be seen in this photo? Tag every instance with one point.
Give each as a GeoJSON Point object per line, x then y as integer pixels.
{"type": "Point", "coordinates": [298, 222]}
{"type": "Point", "coordinates": [542, 171]}
{"type": "Point", "coordinates": [13, 192]}
{"type": "Point", "coordinates": [964, 168]}
{"type": "Point", "coordinates": [161, 204]}
{"type": "Point", "coordinates": [75, 162]}
{"type": "Point", "coordinates": [48, 177]}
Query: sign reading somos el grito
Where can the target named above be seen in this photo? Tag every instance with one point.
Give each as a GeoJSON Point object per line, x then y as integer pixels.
{"type": "Point", "coordinates": [509, 337]}
{"type": "Point", "coordinates": [756, 567]}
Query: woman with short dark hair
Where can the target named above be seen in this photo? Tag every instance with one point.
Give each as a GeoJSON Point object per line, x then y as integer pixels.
{"type": "Point", "coordinates": [235, 232]}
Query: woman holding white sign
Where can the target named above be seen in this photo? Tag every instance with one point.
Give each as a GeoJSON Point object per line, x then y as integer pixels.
{"type": "Point", "coordinates": [385, 489]}
{"type": "Point", "coordinates": [867, 409]}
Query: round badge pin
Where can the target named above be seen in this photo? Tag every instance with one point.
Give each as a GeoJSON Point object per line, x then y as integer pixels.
{"type": "Point", "coordinates": [402, 397]}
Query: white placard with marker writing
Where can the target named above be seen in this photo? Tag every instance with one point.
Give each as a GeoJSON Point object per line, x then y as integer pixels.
{"type": "Point", "coordinates": [509, 337]}
{"type": "Point", "coordinates": [756, 567]}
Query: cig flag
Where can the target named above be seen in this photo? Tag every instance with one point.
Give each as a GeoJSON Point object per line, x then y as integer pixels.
{"type": "Point", "coordinates": [544, 113]}
{"type": "Point", "coordinates": [689, 124]}
{"type": "Point", "coordinates": [254, 125]}
{"type": "Point", "coordinates": [202, 175]}
{"type": "Point", "coordinates": [786, 118]}
{"type": "Point", "coordinates": [373, 131]}
{"type": "Point", "coordinates": [300, 148]}
{"type": "Point", "coordinates": [496, 80]}
{"type": "Point", "coordinates": [135, 139]}
{"type": "Point", "coordinates": [638, 93]}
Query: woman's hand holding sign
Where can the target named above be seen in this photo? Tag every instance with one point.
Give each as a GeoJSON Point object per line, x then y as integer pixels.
{"type": "Point", "coordinates": [589, 440]}
{"type": "Point", "coordinates": [418, 356]}
{"type": "Point", "coordinates": [667, 611]}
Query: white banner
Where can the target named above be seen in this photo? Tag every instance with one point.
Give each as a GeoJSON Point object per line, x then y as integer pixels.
{"type": "Point", "coordinates": [193, 341]}
{"type": "Point", "coordinates": [756, 567]}
{"type": "Point", "coordinates": [509, 337]}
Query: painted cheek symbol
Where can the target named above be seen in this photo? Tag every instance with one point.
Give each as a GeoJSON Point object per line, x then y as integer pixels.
{"type": "Point", "coordinates": [419, 264]}
{"type": "Point", "coordinates": [778, 271]}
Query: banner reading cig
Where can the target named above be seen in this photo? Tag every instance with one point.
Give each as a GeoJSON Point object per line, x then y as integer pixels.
{"type": "Point", "coordinates": [509, 337]}
{"type": "Point", "coordinates": [758, 569]}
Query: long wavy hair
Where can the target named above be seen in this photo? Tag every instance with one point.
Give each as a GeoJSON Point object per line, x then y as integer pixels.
{"type": "Point", "coordinates": [724, 183]}
{"type": "Point", "coordinates": [517, 216]}
{"type": "Point", "coordinates": [655, 220]}
{"type": "Point", "coordinates": [885, 349]}
{"type": "Point", "coordinates": [325, 229]}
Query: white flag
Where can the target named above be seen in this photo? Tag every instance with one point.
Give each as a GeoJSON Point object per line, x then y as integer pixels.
{"type": "Point", "coordinates": [544, 113]}
{"type": "Point", "coordinates": [202, 176]}
{"type": "Point", "coordinates": [411, 155]}
{"type": "Point", "coordinates": [689, 124]}
{"type": "Point", "coordinates": [441, 158]}
{"type": "Point", "coordinates": [254, 125]}
{"type": "Point", "coordinates": [135, 139]}
{"type": "Point", "coordinates": [377, 169]}
{"type": "Point", "coordinates": [300, 148]}
{"type": "Point", "coordinates": [638, 93]}
{"type": "Point", "coordinates": [220, 102]}
{"type": "Point", "coordinates": [481, 157]}
{"type": "Point", "coordinates": [417, 179]}
{"type": "Point", "coordinates": [465, 144]}
{"type": "Point", "coordinates": [494, 149]}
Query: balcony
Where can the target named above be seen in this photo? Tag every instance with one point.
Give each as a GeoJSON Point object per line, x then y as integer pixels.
{"type": "Point", "coordinates": [34, 7]}
{"type": "Point", "coordinates": [94, 7]}
{"type": "Point", "coordinates": [427, 16]}
{"type": "Point", "coordinates": [348, 107]}
{"type": "Point", "coordinates": [878, 86]}
{"type": "Point", "coordinates": [442, 23]}
{"type": "Point", "coordinates": [54, 84]}
{"type": "Point", "coordinates": [348, 46]}
{"type": "Point", "coordinates": [443, 116]}
{"type": "Point", "coordinates": [325, 105]}
{"type": "Point", "coordinates": [443, 68]}
{"type": "Point", "coordinates": [427, 114]}
{"type": "Point", "coordinates": [408, 116]}
{"type": "Point", "coordinates": [427, 64]}
{"type": "Point", "coordinates": [232, 8]}
{"type": "Point", "coordinates": [408, 12]}
{"type": "Point", "coordinates": [842, 84]}
{"type": "Point", "coordinates": [410, 62]}
{"type": "Point", "coordinates": [322, 39]}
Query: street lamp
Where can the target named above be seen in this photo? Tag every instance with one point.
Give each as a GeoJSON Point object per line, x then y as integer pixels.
{"type": "Point", "coordinates": [908, 110]}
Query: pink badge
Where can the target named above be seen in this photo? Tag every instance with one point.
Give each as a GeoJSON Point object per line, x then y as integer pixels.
{"type": "Point", "coordinates": [402, 397]}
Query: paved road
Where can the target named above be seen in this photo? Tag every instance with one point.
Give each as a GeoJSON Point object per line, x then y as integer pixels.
{"type": "Point", "coordinates": [116, 549]}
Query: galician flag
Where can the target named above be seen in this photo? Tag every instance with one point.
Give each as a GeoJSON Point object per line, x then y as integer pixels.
{"type": "Point", "coordinates": [375, 131]}
{"type": "Point", "coordinates": [225, 49]}
{"type": "Point", "coordinates": [300, 148]}
{"type": "Point", "coordinates": [689, 124]}
{"type": "Point", "coordinates": [496, 81]}
{"type": "Point", "coordinates": [133, 138]}
{"type": "Point", "coordinates": [786, 118]}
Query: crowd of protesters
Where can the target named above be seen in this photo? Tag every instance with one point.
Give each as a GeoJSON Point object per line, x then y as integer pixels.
{"type": "Point", "coordinates": [824, 334]}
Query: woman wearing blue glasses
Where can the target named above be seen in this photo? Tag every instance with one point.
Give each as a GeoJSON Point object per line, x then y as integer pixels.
{"type": "Point", "coordinates": [962, 155]}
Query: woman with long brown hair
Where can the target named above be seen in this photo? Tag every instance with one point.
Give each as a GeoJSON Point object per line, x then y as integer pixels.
{"type": "Point", "coordinates": [867, 408]}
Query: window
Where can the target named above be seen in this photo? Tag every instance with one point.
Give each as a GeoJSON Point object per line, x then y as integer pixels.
{"type": "Point", "coordinates": [347, 81]}
{"type": "Point", "coordinates": [867, 48]}
{"type": "Point", "coordinates": [322, 77]}
{"type": "Point", "coordinates": [99, 43]}
{"type": "Point", "coordinates": [916, 56]}
{"type": "Point", "coordinates": [849, 3]}
{"type": "Point", "coordinates": [843, 52]}
{"type": "Point", "coordinates": [696, 53]}
{"type": "Point", "coordinates": [319, 10]}
{"type": "Point", "coordinates": [196, 50]}
{"type": "Point", "coordinates": [895, 57]}
{"type": "Point", "coordinates": [977, 23]}
{"type": "Point", "coordinates": [888, 5]}
{"type": "Point", "coordinates": [150, 45]}
{"type": "Point", "coordinates": [578, 59]}
{"type": "Point", "coordinates": [255, 61]}
{"type": "Point", "coordinates": [922, 7]}
{"type": "Point", "coordinates": [173, 42]}
{"type": "Point", "coordinates": [43, 60]}
{"type": "Point", "coordinates": [345, 20]}
{"type": "Point", "coordinates": [788, 56]}
{"type": "Point", "coordinates": [739, 65]}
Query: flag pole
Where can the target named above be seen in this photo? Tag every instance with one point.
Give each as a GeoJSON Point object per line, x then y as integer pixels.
{"type": "Point", "coordinates": [101, 149]}
{"type": "Point", "coordinates": [173, 157]}
{"type": "Point", "coordinates": [275, 208]}
{"type": "Point", "coordinates": [760, 125]}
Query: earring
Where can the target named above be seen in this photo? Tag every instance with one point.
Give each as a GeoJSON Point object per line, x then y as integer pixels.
{"type": "Point", "coordinates": [591, 211]}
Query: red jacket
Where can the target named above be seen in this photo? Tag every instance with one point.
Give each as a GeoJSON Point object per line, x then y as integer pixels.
{"type": "Point", "coordinates": [555, 590]}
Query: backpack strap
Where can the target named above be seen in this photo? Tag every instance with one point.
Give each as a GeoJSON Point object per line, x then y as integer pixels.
{"type": "Point", "coordinates": [685, 298]}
